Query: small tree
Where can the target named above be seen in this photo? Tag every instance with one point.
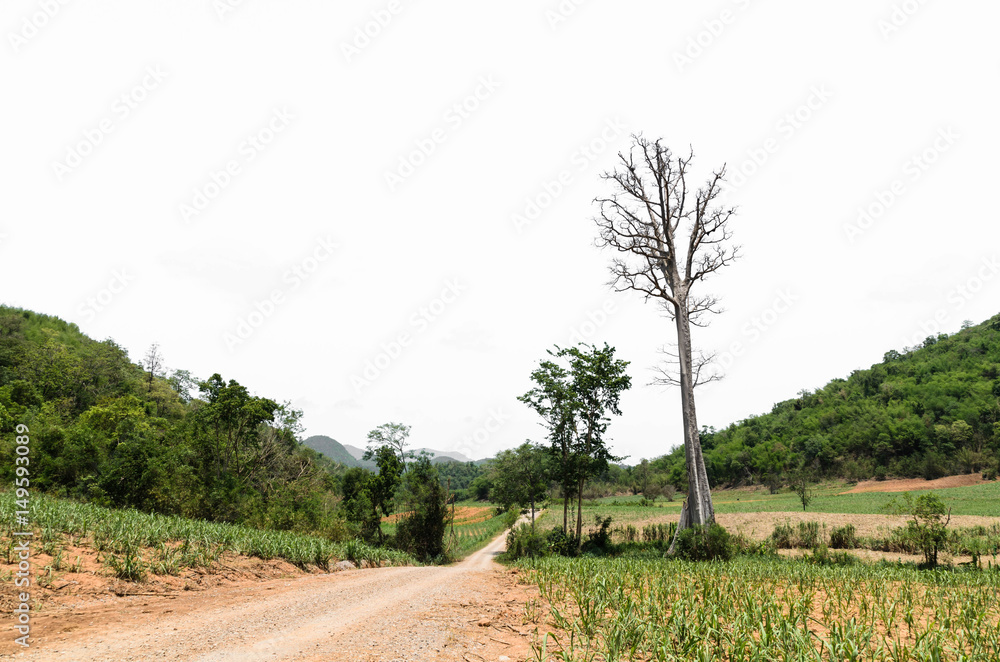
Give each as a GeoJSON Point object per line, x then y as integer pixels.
{"type": "Point", "coordinates": [394, 436]}
{"type": "Point", "coordinates": [153, 363]}
{"type": "Point", "coordinates": [421, 530]}
{"type": "Point", "coordinates": [520, 477]}
{"type": "Point", "coordinates": [574, 403]}
{"type": "Point", "coordinates": [928, 526]}
{"type": "Point", "coordinates": [801, 486]}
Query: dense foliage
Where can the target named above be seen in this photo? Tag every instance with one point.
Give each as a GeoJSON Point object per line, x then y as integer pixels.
{"type": "Point", "coordinates": [923, 412]}
{"type": "Point", "coordinates": [106, 430]}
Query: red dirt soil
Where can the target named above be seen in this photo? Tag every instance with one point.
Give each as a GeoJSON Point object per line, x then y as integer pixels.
{"type": "Point", "coordinates": [915, 484]}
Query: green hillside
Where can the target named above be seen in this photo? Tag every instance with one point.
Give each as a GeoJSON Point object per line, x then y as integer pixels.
{"type": "Point", "coordinates": [105, 430]}
{"type": "Point", "coordinates": [927, 411]}
{"type": "Point", "coordinates": [335, 451]}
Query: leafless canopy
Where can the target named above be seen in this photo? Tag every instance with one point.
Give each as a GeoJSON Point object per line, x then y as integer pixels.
{"type": "Point", "coordinates": [667, 237]}
{"type": "Point", "coordinates": [701, 363]}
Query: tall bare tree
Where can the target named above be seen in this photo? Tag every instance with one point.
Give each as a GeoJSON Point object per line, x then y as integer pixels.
{"type": "Point", "coordinates": [153, 362]}
{"type": "Point", "coordinates": [667, 239]}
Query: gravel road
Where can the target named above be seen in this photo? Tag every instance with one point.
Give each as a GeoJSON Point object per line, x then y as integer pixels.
{"type": "Point", "coordinates": [467, 611]}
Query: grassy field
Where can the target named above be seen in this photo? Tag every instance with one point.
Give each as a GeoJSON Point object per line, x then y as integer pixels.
{"type": "Point", "coordinates": [980, 500]}
{"type": "Point", "coordinates": [643, 607]}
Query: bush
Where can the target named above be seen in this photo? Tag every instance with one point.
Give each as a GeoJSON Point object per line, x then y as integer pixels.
{"type": "Point", "coordinates": [783, 536]}
{"type": "Point", "coordinates": [808, 534]}
{"type": "Point", "coordinates": [523, 542]}
{"type": "Point", "coordinates": [844, 537]}
{"type": "Point", "coordinates": [934, 466]}
{"type": "Point", "coordinates": [599, 540]}
{"type": "Point", "coordinates": [705, 543]}
{"type": "Point", "coordinates": [660, 534]}
{"type": "Point", "coordinates": [821, 556]}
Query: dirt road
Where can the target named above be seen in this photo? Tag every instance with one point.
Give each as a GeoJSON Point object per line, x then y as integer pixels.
{"type": "Point", "coordinates": [467, 611]}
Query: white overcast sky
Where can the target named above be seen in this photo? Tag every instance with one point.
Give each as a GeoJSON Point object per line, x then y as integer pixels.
{"type": "Point", "coordinates": [118, 114]}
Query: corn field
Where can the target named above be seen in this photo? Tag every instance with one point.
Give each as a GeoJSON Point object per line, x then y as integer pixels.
{"type": "Point", "coordinates": [132, 543]}
{"type": "Point", "coordinates": [761, 608]}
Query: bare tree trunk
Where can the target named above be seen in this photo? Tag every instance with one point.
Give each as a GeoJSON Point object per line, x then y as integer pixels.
{"type": "Point", "coordinates": [565, 510]}
{"type": "Point", "coordinates": [698, 506]}
{"type": "Point", "coordinates": [579, 517]}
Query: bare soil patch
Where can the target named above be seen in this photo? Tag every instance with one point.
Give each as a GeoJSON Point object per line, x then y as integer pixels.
{"type": "Point", "coordinates": [915, 484]}
{"type": "Point", "coordinates": [235, 611]}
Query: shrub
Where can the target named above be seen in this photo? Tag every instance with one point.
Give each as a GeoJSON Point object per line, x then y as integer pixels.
{"type": "Point", "coordinates": [783, 536]}
{"type": "Point", "coordinates": [844, 537]}
{"type": "Point", "coordinates": [601, 538]}
{"type": "Point", "coordinates": [705, 543]}
{"type": "Point", "coordinates": [934, 466]}
{"type": "Point", "coordinates": [523, 542]}
{"type": "Point", "coordinates": [808, 534]}
{"type": "Point", "coordinates": [927, 528]}
{"type": "Point", "coordinates": [661, 534]}
{"type": "Point", "coordinates": [821, 556]}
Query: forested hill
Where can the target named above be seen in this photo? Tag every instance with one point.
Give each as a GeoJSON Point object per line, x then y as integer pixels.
{"type": "Point", "coordinates": [928, 411]}
{"type": "Point", "coordinates": [335, 451]}
{"type": "Point", "coordinates": [105, 429]}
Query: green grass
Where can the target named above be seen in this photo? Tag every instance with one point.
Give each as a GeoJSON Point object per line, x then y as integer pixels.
{"type": "Point", "coordinates": [643, 607]}
{"type": "Point", "coordinates": [130, 542]}
{"type": "Point", "coordinates": [980, 500]}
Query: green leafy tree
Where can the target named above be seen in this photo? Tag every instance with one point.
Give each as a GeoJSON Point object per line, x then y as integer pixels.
{"type": "Point", "coordinates": [383, 485]}
{"type": "Point", "coordinates": [422, 527]}
{"type": "Point", "coordinates": [928, 523]}
{"type": "Point", "coordinates": [520, 477]}
{"type": "Point", "coordinates": [552, 399]}
{"type": "Point", "coordinates": [574, 402]}
{"type": "Point", "coordinates": [357, 504]}
{"type": "Point", "coordinates": [598, 380]}
{"type": "Point", "coordinates": [393, 435]}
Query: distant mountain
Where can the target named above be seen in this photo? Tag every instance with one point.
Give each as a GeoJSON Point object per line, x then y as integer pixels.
{"type": "Point", "coordinates": [356, 452]}
{"type": "Point", "coordinates": [336, 451]}
{"type": "Point", "coordinates": [444, 456]}
{"type": "Point", "coordinates": [350, 456]}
